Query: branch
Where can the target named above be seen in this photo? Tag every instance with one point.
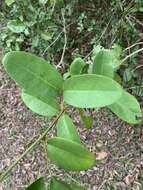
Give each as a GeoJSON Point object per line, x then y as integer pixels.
{"type": "Point", "coordinates": [3, 175]}
{"type": "Point", "coordinates": [102, 34]}
{"type": "Point", "coordinates": [138, 43]}
{"type": "Point", "coordinates": [65, 44]}
{"type": "Point", "coordinates": [127, 57]}
{"type": "Point", "coordinates": [52, 43]}
{"type": "Point", "coordinates": [56, 38]}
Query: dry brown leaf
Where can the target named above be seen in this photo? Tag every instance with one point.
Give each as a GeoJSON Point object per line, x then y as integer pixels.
{"type": "Point", "coordinates": [101, 155]}
{"type": "Point", "coordinates": [127, 180]}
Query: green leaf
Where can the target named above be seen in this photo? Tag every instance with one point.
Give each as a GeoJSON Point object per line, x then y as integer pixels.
{"type": "Point", "coordinates": [87, 120]}
{"type": "Point", "coordinates": [117, 78]}
{"type": "Point", "coordinates": [91, 91]}
{"type": "Point", "coordinates": [75, 187]}
{"type": "Point", "coordinates": [106, 61]}
{"type": "Point", "coordinates": [16, 26]}
{"type": "Point", "coordinates": [66, 129]}
{"type": "Point", "coordinates": [48, 107]}
{"type": "Point", "coordinates": [96, 50]}
{"type": "Point", "coordinates": [69, 155]}
{"type": "Point", "coordinates": [60, 185]}
{"type": "Point", "coordinates": [77, 66]}
{"type": "Point", "coordinates": [127, 108]}
{"type": "Point", "coordinates": [43, 2]}
{"type": "Point", "coordinates": [57, 185]}
{"type": "Point", "coordinates": [66, 75]}
{"type": "Point", "coordinates": [33, 74]}
{"type": "Point", "coordinates": [37, 185]}
{"type": "Point", "coordinates": [46, 36]}
{"type": "Point", "coordinates": [9, 2]}
{"type": "Point", "coordinates": [117, 52]}
{"type": "Point", "coordinates": [87, 69]}
{"type": "Point", "coordinates": [103, 64]}
{"type": "Point", "coordinates": [137, 90]}
{"type": "Point", "coordinates": [127, 76]}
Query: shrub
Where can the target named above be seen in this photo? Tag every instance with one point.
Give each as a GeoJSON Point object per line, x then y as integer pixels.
{"type": "Point", "coordinates": [45, 92]}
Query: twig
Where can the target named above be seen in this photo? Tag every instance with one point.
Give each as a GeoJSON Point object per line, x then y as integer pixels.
{"type": "Point", "coordinates": [138, 67]}
{"type": "Point", "coordinates": [102, 184]}
{"type": "Point", "coordinates": [127, 57]}
{"type": "Point", "coordinates": [3, 175]}
{"type": "Point", "coordinates": [56, 39]}
{"type": "Point", "coordinates": [52, 43]}
{"type": "Point", "coordinates": [104, 31]}
{"type": "Point", "coordinates": [134, 87]}
{"type": "Point", "coordinates": [65, 44]}
{"type": "Point", "coordinates": [138, 43]}
{"type": "Point", "coordinates": [121, 19]}
{"type": "Point", "coordinates": [138, 22]}
{"type": "Point", "coordinates": [53, 7]}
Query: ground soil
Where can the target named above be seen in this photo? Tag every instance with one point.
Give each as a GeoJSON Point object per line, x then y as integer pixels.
{"type": "Point", "coordinates": [118, 146]}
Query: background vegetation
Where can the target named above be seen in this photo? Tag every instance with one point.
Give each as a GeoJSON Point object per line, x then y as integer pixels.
{"type": "Point", "coordinates": [38, 26]}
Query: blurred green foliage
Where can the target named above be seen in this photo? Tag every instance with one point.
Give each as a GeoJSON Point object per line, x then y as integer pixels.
{"type": "Point", "coordinates": [37, 26]}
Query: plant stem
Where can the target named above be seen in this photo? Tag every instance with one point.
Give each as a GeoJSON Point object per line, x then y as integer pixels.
{"type": "Point", "coordinates": [127, 57]}
{"type": "Point", "coordinates": [65, 37]}
{"type": "Point", "coordinates": [137, 43]}
{"type": "Point", "coordinates": [3, 175]}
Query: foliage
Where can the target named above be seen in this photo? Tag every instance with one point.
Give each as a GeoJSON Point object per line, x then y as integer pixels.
{"type": "Point", "coordinates": [27, 25]}
{"type": "Point", "coordinates": [37, 27]}
{"type": "Point", "coordinates": [55, 184]}
{"type": "Point", "coordinates": [92, 82]}
{"type": "Point", "coordinates": [37, 185]}
{"type": "Point", "coordinates": [47, 93]}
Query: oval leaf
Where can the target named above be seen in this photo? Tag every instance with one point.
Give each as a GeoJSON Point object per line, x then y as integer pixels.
{"type": "Point", "coordinates": [66, 129]}
{"type": "Point", "coordinates": [77, 66]}
{"type": "Point", "coordinates": [33, 73]}
{"type": "Point", "coordinates": [103, 64]}
{"type": "Point", "coordinates": [106, 61]}
{"type": "Point", "coordinates": [60, 185]}
{"type": "Point", "coordinates": [91, 91]}
{"type": "Point", "coordinates": [16, 26]}
{"type": "Point", "coordinates": [127, 108]}
{"type": "Point", "coordinates": [69, 155]}
{"type": "Point", "coordinates": [37, 185]}
{"type": "Point", "coordinates": [49, 107]}
{"type": "Point", "coordinates": [57, 185]}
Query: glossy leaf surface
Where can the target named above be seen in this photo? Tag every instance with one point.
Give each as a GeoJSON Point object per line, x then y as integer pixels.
{"type": "Point", "coordinates": [33, 73]}
{"type": "Point", "coordinates": [49, 107]}
{"type": "Point", "coordinates": [91, 91]}
{"type": "Point", "coordinates": [127, 108]}
{"type": "Point", "coordinates": [37, 185]}
{"type": "Point", "coordinates": [66, 129]}
{"type": "Point", "coordinates": [69, 155]}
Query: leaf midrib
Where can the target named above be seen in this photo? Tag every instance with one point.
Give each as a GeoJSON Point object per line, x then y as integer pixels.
{"type": "Point", "coordinates": [86, 157]}
{"type": "Point", "coordinates": [87, 91]}
{"type": "Point", "coordinates": [47, 104]}
{"type": "Point", "coordinates": [40, 78]}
